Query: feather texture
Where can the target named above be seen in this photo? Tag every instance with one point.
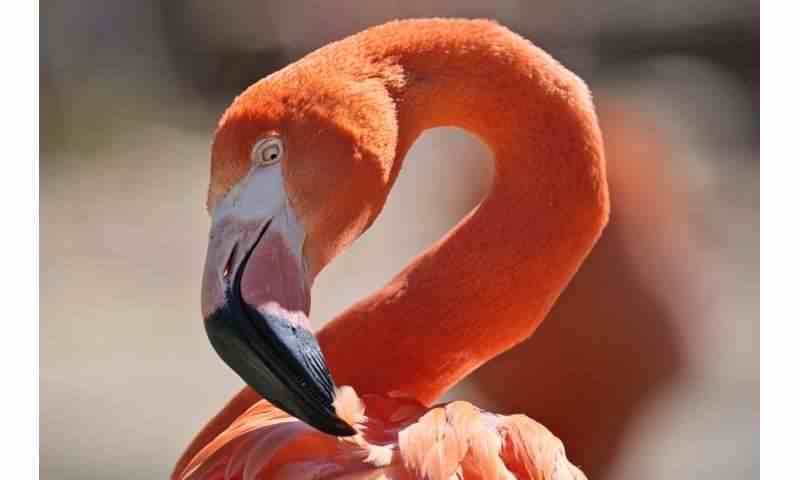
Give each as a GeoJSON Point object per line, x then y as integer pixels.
{"type": "Point", "coordinates": [398, 439]}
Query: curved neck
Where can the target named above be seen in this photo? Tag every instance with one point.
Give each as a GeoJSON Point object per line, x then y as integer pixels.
{"type": "Point", "coordinates": [491, 280]}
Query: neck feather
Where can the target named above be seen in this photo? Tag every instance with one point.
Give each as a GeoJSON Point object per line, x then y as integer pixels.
{"type": "Point", "coordinates": [492, 279]}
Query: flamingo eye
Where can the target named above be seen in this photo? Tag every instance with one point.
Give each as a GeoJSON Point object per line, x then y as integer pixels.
{"type": "Point", "coordinates": [267, 151]}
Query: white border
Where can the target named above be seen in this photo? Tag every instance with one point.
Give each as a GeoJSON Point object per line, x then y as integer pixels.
{"type": "Point", "coordinates": [780, 239]}
{"type": "Point", "coordinates": [19, 124]}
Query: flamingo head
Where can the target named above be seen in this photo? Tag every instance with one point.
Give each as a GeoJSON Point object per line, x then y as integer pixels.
{"type": "Point", "coordinates": [301, 165]}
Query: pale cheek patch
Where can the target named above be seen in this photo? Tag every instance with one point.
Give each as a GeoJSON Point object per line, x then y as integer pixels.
{"type": "Point", "coordinates": [259, 194]}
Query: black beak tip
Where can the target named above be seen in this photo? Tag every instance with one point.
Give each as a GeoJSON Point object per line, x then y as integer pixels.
{"type": "Point", "coordinates": [286, 369]}
{"type": "Point", "coordinates": [337, 427]}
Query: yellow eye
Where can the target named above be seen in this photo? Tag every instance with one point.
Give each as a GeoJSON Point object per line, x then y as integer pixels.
{"type": "Point", "coordinates": [267, 151]}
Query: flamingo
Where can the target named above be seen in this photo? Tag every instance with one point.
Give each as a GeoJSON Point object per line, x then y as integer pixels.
{"type": "Point", "coordinates": [302, 163]}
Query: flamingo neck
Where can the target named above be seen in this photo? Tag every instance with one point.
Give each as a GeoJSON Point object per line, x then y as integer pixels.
{"type": "Point", "coordinates": [492, 279]}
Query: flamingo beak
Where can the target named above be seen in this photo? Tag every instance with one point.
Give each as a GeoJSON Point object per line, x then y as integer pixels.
{"type": "Point", "coordinates": [256, 301]}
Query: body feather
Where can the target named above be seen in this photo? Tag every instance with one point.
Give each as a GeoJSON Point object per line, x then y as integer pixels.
{"type": "Point", "coordinates": [398, 439]}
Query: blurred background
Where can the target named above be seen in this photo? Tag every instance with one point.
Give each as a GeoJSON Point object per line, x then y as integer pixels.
{"type": "Point", "coordinates": [647, 366]}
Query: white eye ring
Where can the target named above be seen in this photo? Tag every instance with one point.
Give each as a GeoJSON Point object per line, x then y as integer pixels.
{"type": "Point", "coordinates": [267, 151]}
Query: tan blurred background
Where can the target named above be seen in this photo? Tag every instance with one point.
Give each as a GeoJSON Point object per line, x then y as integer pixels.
{"type": "Point", "coordinates": [648, 365]}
